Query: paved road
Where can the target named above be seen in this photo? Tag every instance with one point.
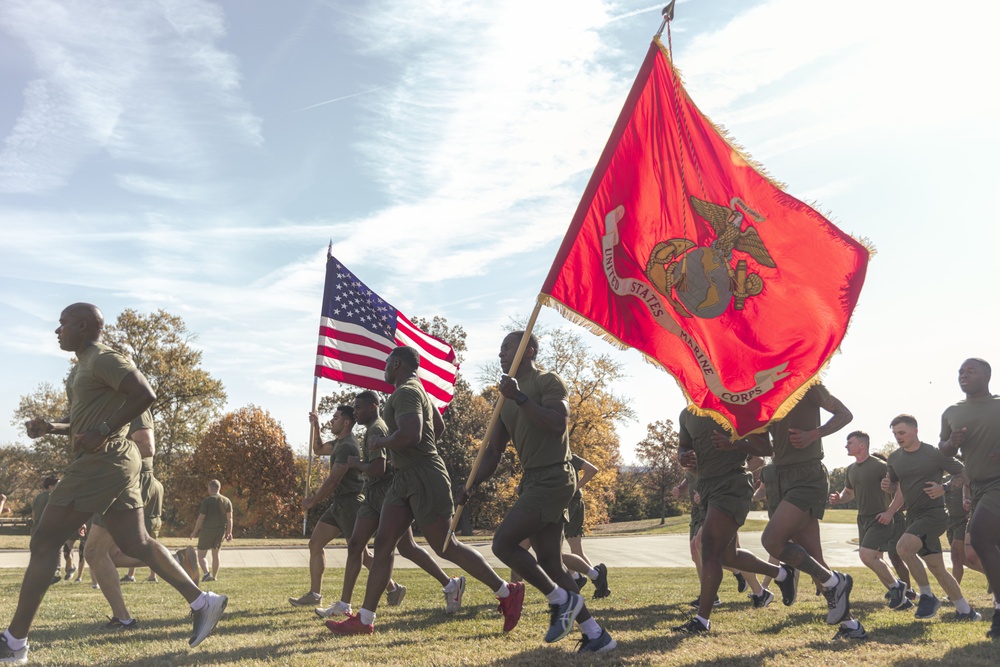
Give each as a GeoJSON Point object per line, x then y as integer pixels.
{"type": "Point", "coordinates": [620, 551]}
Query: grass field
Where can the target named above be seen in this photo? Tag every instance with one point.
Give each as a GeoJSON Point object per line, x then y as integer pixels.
{"type": "Point", "coordinates": [260, 628]}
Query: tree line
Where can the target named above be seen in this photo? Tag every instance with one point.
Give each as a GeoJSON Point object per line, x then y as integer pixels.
{"type": "Point", "coordinates": [247, 449]}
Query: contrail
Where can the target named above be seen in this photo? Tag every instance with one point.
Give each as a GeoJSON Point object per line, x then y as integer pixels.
{"type": "Point", "coordinates": [338, 99]}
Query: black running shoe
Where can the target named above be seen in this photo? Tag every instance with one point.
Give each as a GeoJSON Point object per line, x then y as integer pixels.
{"type": "Point", "coordinates": [601, 589]}
{"type": "Point", "coordinates": [115, 623]}
{"type": "Point", "coordinates": [788, 586]}
{"type": "Point", "coordinates": [741, 582]}
{"type": "Point", "coordinates": [994, 631]}
{"type": "Point", "coordinates": [692, 627]}
{"type": "Point", "coordinates": [847, 633]}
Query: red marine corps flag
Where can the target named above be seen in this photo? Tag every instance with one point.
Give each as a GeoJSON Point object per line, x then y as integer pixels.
{"type": "Point", "coordinates": [683, 250]}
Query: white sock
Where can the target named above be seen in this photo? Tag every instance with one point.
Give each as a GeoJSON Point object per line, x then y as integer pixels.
{"type": "Point", "coordinates": [832, 581]}
{"type": "Point", "coordinates": [851, 624]}
{"type": "Point", "coordinates": [962, 606]}
{"type": "Point", "coordinates": [557, 596]}
{"type": "Point", "coordinates": [200, 601]}
{"type": "Point", "coordinates": [452, 585]}
{"type": "Point", "coordinates": [926, 590]}
{"type": "Point", "coordinates": [705, 622]}
{"type": "Point", "coordinates": [591, 628]}
{"type": "Point", "coordinates": [501, 592]}
{"type": "Point", "coordinates": [782, 573]}
{"type": "Point", "coordinates": [592, 574]}
{"type": "Point", "coordinates": [996, 605]}
{"type": "Point", "coordinates": [366, 617]}
{"type": "Point", "coordinates": [13, 643]}
{"type": "Point", "coordinates": [899, 584]}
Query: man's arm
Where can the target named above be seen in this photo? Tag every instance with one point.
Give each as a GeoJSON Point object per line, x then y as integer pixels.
{"type": "Point", "coordinates": [885, 518]}
{"type": "Point", "coordinates": [138, 397]}
{"type": "Point", "coordinates": [845, 495]}
{"type": "Point", "coordinates": [438, 424]}
{"type": "Point", "coordinates": [375, 468]}
{"type": "Point", "coordinates": [551, 416]}
{"type": "Point", "coordinates": [229, 526]}
{"type": "Point", "coordinates": [760, 492]}
{"type": "Point", "coordinates": [197, 525]}
{"type": "Point", "coordinates": [329, 485]}
{"type": "Point", "coordinates": [589, 470]}
{"type": "Point", "coordinates": [840, 418]}
{"type": "Point", "coordinates": [409, 430]}
{"type": "Point", "coordinates": [320, 448]}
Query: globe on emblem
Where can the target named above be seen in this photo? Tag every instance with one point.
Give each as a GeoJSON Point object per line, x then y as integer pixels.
{"type": "Point", "coordinates": [707, 291]}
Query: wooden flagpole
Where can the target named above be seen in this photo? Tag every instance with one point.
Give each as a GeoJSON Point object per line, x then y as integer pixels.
{"type": "Point", "coordinates": [312, 438]}
{"type": "Point", "coordinates": [495, 416]}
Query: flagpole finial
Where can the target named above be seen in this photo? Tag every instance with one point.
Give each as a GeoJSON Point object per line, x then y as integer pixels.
{"type": "Point", "coordinates": [668, 16]}
{"type": "Point", "coordinates": [329, 249]}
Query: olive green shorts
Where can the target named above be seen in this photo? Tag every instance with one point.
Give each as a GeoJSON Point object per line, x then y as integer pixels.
{"type": "Point", "coordinates": [806, 486]}
{"type": "Point", "coordinates": [371, 506]}
{"type": "Point", "coordinates": [545, 492]}
{"type": "Point", "coordinates": [956, 527]}
{"type": "Point", "coordinates": [697, 518]}
{"type": "Point", "coordinates": [342, 512]}
{"type": "Point", "coordinates": [577, 514]}
{"type": "Point", "coordinates": [211, 538]}
{"type": "Point", "coordinates": [106, 480]}
{"type": "Point", "coordinates": [731, 493]}
{"type": "Point", "coordinates": [872, 534]}
{"type": "Point", "coordinates": [425, 489]}
{"type": "Point", "coordinates": [898, 528]}
{"type": "Point", "coordinates": [929, 525]}
{"type": "Point", "coordinates": [984, 494]}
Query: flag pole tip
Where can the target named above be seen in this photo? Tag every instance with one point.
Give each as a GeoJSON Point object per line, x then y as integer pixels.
{"type": "Point", "coordinates": [668, 11]}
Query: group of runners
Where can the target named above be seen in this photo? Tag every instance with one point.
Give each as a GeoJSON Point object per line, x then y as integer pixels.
{"type": "Point", "coordinates": [395, 477]}
{"type": "Point", "coordinates": [906, 503]}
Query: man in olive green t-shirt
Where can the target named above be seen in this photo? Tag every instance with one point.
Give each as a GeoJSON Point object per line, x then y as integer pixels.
{"type": "Point", "coordinates": [215, 523]}
{"type": "Point", "coordinates": [420, 491]}
{"type": "Point", "coordinates": [917, 469]}
{"type": "Point", "coordinates": [344, 484]}
{"type": "Point", "coordinates": [972, 427]}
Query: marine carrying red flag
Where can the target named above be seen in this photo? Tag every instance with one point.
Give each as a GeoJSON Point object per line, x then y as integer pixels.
{"type": "Point", "coordinates": [683, 250]}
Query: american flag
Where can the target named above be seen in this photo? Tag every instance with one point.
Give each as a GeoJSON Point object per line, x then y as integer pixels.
{"type": "Point", "coordinates": [359, 329]}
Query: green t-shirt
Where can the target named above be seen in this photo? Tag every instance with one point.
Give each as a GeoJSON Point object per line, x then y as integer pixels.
{"type": "Point", "coordinates": [536, 448]}
{"type": "Point", "coordinates": [410, 398]}
{"type": "Point", "coordinates": [981, 419]}
{"type": "Point", "coordinates": [865, 479]}
{"type": "Point", "coordinates": [377, 429]}
{"type": "Point", "coordinates": [954, 502]}
{"type": "Point", "coordinates": [697, 431]}
{"type": "Point", "coordinates": [92, 389]}
{"type": "Point", "coordinates": [351, 483]}
{"type": "Point", "coordinates": [215, 508]}
{"type": "Point", "coordinates": [914, 469]}
{"type": "Point", "coordinates": [143, 421]}
{"type": "Point", "coordinates": [804, 416]}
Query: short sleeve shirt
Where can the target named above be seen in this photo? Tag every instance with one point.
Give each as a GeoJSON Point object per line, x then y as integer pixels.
{"type": "Point", "coordinates": [410, 398]}
{"type": "Point", "coordinates": [92, 389]}
{"type": "Point", "coordinates": [954, 502]}
{"type": "Point", "coordinates": [215, 508]}
{"type": "Point", "coordinates": [914, 469]}
{"type": "Point", "coordinates": [712, 462]}
{"type": "Point", "coordinates": [804, 416]}
{"type": "Point", "coordinates": [865, 479]}
{"type": "Point", "coordinates": [377, 429]}
{"type": "Point", "coordinates": [981, 419]}
{"type": "Point", "coordinates": [351, 483]}
{"type": "Point", "coordinates": [143, 421]}
{"type": "Point", "coordinates": [537, 448]}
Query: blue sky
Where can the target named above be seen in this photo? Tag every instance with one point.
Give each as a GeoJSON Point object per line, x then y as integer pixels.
{"type": "Point", "coordinates": [197, 156]}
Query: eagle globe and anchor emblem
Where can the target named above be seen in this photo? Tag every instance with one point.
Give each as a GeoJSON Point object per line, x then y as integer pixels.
{"type": "Point", "coordinates": [702, 281]}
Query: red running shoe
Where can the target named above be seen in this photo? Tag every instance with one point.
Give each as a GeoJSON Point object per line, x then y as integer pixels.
{"type": "Point", "coordinates": [511, 606]}
{"type": "Point", "coordinates": [352, 626]}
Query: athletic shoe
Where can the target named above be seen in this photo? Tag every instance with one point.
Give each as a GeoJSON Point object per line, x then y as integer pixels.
{"type": "Point", "coordinates": [352, 626]}
{"type": "Point", "coordinates": [115, 623]}
{"type": "Point", "coordinates": [453, 599]}
{"type": "Point", "coordinates": [56, 579]}
{"type": "Point", "coordinates": [905, 606]}
{"type": "Point", "coordinates": [96, 587]}
{"type": "Point", "coordinates": [69, 573]}
{"type": "Point", "coordinates": [765, 598]}
{"type": "Point", "coordinates": [599, 645]}
{"type": "Point", "coordinates": [789, 586]}
{"type": "Point", "coordinates": [928, 606]}
{"type": "Point", "coordinates": [208, 577]}
{"type": "Point", "coordinates": [972, 616]}
{"type": "Point", "coordinates": [911, 594]}
{"type": "Point", "coordinates": [601, 589]}
{"type": "Point", "coordinates": [561, 616]}
{"type": "Point", "coordinates": [396, 595]}
{"type": "Point", "coordinates": [511, 605]}
{"type": "Point", "coordinates": [127, 579]}
{"type": "Point", "coordinates": [151, 581]}
{"type": "Point", "coordinates": [206, 618]}
{"type": "Point", "coordinates": [994, 631]}
{"type": "Point", "coordinates": [896, 595]}
{"type": "Point", "coordinates": [697, 602]}
{"type": "Point", "coordinates": [7, 654]}
{"type": "Point", "coordinates": [847, 633]}
{"type": "Point", "coordinates": [341, 608]}
{"type": "Point", "coordinates": [838, 599]}
{"type": "Point", "coordinates": [692, 627]}
{"type": "Point", "coordinates": [581, 582]}
{"type": "Point", "coordinates": [187, 558]}
{"type": "Point", "coordinates": [310, 599]}
{"type": "Point", "coordinates": [741, 582]}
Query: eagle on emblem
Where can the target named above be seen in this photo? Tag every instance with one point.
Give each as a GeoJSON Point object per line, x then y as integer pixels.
{"type": "Point", "coordinates": [727, 221]}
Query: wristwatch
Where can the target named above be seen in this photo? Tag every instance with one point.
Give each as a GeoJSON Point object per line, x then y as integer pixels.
{"type": "Point", "coordinates": [521, 399]}
{"type": "Point", "coordinates": [104, 429]}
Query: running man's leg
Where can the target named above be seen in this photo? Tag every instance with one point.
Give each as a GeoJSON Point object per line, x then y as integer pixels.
{"type": "Point", "coordinates": [102, 569]}
{"type": "Point", "coordinates": [357, 550]}
{"type": "Point", "coordinates": [215, 561]}
{"type": "Point", "coordinates": [984, 529]}
{"type": "Point", "coordinates": [322, 534]}
{"type": "Point", "coordinates": [409, 549]}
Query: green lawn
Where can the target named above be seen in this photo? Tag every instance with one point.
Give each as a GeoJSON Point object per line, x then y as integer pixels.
{"type": "Point", "coordinates": [260, 628]}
